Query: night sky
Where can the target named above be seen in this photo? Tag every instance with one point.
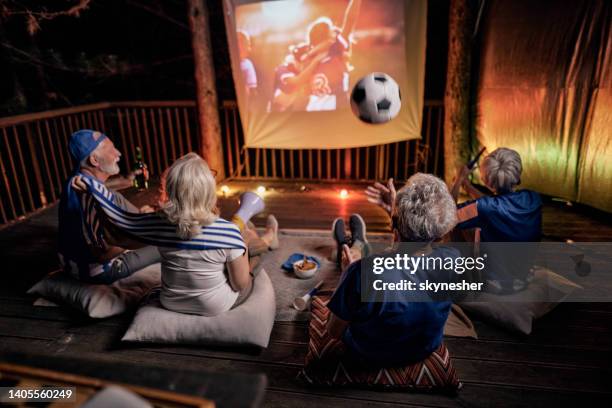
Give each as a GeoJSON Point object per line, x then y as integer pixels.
{"type": "Point", "coordinates": [133, 50]}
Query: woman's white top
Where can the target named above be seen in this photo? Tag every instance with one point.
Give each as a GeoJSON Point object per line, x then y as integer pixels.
{"type": "Point", "coordinates": [196, 281]}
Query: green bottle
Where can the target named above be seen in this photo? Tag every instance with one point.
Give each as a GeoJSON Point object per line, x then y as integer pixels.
{"type": "Point", "coordinates": [141, 181]}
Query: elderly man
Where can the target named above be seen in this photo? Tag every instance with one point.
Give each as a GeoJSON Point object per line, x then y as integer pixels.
{"type": "Point", "coordinates": [403, 331]}
{"type": "Point", "coordinates": [509, 215]}
{"type": "Point", "coordinates": [84, 251]}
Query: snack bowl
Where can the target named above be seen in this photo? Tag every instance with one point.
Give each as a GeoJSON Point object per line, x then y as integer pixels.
{"type": "Point", "coordinates": [305, 272]}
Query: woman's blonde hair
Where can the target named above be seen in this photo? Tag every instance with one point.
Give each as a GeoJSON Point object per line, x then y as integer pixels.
{"type": "Point", "coordinates": [190, 195]}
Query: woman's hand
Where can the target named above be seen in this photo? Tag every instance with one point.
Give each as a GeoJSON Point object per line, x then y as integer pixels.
{"type": "Point", "coordinates": [383, 196]}
{"type": "Point", "coordinates": [78, 184]}
{"type": "Point", "coordinates": [238, 271]}
{"type": "Point", "coordinates": [146, 209]}
{"type": "Point", "coordinates": [347, 257]}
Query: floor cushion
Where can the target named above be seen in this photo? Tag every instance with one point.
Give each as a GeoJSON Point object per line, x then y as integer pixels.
{"type": "Point", "coordinates": [95, 300]}
{"type": "Point", "coordinates": [517, 312]}
{"type": "Point", "coordinates": [249, 324]}
{"type": "Point", "coordinates": [327, 363]}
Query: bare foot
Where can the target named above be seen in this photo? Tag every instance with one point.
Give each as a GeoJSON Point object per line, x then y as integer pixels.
{"type": "Point", "coordinates": [249, 235]}
{"type": "Point", "coordinates": [270, 237]}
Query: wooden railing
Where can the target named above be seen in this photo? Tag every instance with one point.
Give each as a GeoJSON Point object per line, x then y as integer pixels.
{"type": "Point", "coordinates": [34, 158]}
{"type": "Point", "coordinates": [398, 160]}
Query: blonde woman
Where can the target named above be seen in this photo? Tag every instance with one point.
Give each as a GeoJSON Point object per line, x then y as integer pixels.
{"type": "Point", "coordinates": [398, 331]}
{"type": "Point", "coordinates": [194, 281]}
{"type": "Point", "coordinates": [205, 263]}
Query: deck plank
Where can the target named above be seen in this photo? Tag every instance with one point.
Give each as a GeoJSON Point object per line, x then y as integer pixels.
{"type": "Point", "coordinates": [282, 377]}
{"type": "Point", "coordinates": [295, 336]}
{"type": "Point", "coordinates": [475, 368]}
{"type": "Point", "coordinates": [563, 363]}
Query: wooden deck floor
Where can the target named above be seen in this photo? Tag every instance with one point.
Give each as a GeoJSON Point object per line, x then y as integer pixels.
{"type": "Point", "coordinates": [565, 362]}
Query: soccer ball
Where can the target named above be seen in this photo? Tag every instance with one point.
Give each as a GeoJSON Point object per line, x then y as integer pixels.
{"type": "Point", "coordinates": [376, 98]}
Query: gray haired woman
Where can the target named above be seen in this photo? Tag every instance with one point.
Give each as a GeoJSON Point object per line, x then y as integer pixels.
{"type": "Point", "coordinates": [402, 330]}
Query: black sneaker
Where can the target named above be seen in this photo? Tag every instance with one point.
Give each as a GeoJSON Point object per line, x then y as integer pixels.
{"type": "Point", "coordinates": [339, 235]}
{"type": "Point", "coordinates": [358, 228]}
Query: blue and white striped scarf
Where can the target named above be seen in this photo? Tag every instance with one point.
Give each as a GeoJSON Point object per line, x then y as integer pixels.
{"type": "Point", "coordinates": [154, 229]}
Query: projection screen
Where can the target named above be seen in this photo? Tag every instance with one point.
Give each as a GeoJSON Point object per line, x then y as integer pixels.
{"type": "Point", "coordinates": [295, 62]}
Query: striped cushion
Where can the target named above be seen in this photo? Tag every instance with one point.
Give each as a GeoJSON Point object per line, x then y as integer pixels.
{"type": "Point", "coordinates": [327, 363]}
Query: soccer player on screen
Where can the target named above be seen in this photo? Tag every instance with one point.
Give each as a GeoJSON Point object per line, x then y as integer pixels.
{"type": "Point", "coordinates": [329, 84]}
{"type": "Point", "coordinates": [292, 77]}
{"type": "Point", "coordinates": [249, 75]}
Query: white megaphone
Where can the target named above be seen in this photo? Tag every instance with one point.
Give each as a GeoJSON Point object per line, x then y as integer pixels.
{"type": "Point", "coordinates": [250, 204]}
{"type": "Point", "coordinates": [301, 303]}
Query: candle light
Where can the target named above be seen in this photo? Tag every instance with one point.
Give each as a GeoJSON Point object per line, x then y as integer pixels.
{"type": "Point", "coordinates": [343, 194]}
{"type": "Point", "coordinates": [261, 190]}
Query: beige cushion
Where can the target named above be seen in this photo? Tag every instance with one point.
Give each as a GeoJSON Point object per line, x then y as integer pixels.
{"type": "Point", "coordinates": [248, 324]}
{"type": "Point", "coordinates": [517, 311]}
{"type": "Point", "coordinates": [98, 301]}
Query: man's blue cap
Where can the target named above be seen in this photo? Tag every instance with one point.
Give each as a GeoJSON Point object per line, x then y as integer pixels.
{"type": "Point", "coordinates": [83, 142]}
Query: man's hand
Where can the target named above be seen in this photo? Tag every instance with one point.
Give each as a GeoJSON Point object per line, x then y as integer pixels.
{"type": "Point", "coordinates": [466, 184]}
{"type": "Point", "coordinates": [383, 196]}
{"type": "Point", "coordinates": [462, 174]}
{"type": "Point", "coordinates": [472, 191]}
{"type": "Point", "coordinates": [121, 182]}
{"type": "Point", "coordinates": [132, 175]}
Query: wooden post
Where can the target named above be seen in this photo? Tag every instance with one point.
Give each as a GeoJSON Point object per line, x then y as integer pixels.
{"type": "Point", "coordinates": [206, 94]}
{"type": "Point", "coordinates": [35, 165]}
{"type": "Point", "coordinates": [457, 101]}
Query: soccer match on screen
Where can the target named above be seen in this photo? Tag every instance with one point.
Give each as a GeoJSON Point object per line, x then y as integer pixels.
{"type": "Point", "coordinates": [305, 203]}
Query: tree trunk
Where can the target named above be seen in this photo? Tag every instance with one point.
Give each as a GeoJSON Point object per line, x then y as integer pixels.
{"type": "Point", "coordinates": [206, 94]}
{"type": "Point", "coordinates": [41, 78]}
{"type": "Point", "coordinates": [457, 101]}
